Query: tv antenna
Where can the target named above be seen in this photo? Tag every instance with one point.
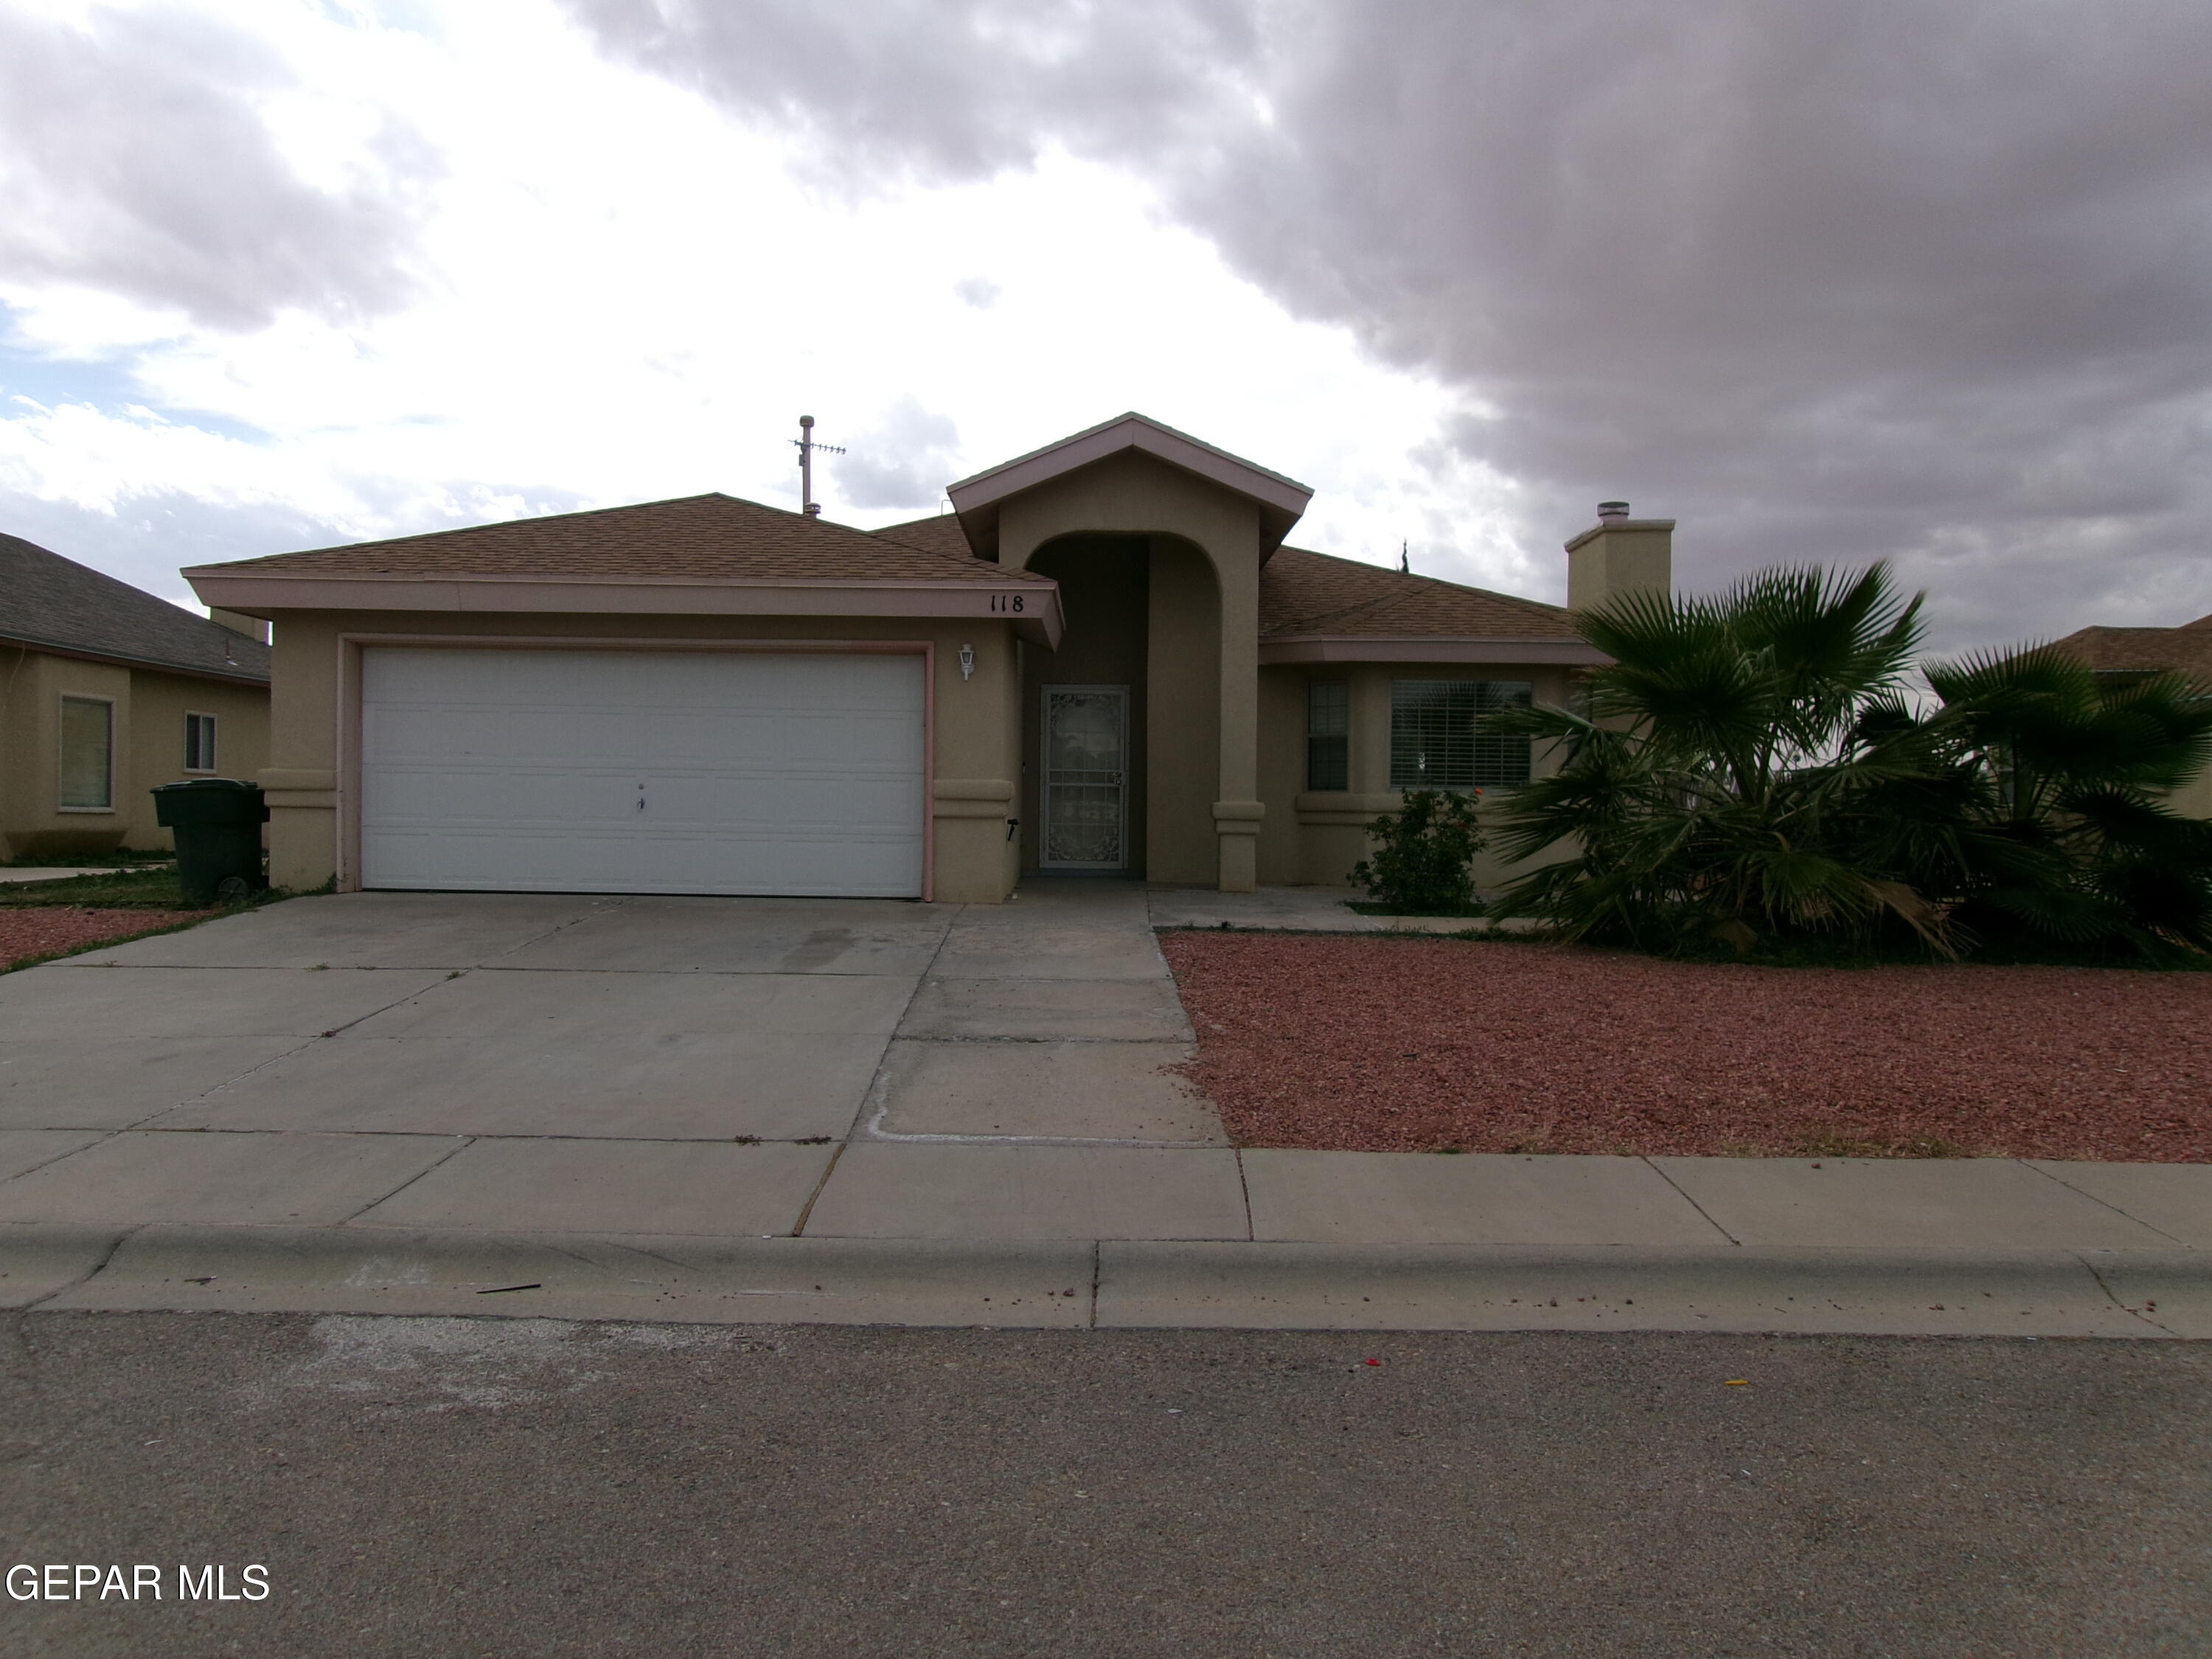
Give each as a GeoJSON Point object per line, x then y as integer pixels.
{"type": "Point", "coordinates": [807, 447]}
{"type": "Point", "coordinates": [1405, 563]}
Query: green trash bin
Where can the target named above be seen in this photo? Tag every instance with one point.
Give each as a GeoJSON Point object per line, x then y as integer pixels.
{"type": "Point", "coordinates": [218, 825]}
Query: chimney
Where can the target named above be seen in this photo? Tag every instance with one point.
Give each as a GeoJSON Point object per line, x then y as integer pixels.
{"type": "Point", "coordinates": [1619, 553]}
{"type": "Point", "coordinates": [253, 627]}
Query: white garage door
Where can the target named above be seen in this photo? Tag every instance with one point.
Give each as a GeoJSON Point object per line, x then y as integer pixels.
{"type": "Point", "coordinates": [641, 772]}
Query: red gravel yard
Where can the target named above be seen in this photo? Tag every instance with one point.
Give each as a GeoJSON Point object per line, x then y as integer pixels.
{"type": "Point", "coordinates": [1366, 1044]}
{"type": "Point", "coordinates": [41, 931]}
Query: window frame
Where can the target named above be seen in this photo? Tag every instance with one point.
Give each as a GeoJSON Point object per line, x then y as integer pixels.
{"type": "Point", "coordinates": [1341, 738]}
{"type": "Point", "coordinates": [193, 717]}
{"type": "Point", "coordinates": [61, 751]}
{"type": "Point", "coordinates": [1483, 770]}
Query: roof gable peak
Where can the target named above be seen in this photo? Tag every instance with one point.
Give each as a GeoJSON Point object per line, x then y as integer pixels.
{"type": "Point", "coordinates": [1281, 500]}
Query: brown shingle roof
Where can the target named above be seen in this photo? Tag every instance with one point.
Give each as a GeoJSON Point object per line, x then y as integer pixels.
{"type": "Point", "coordinates": [695, 537]}
{"type": "Point", "coordinates": [939, 533]}
{"type": "Point", "coordinates": [1303, 592]}
{"type": "Point", "coordinates": [2186, 650]}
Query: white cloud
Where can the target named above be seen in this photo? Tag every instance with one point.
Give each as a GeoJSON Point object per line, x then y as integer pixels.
{"type": "Point", "coordinates": [622, 294]}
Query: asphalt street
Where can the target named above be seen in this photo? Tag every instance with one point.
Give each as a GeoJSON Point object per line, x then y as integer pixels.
{"type": "Point", "coordinates": [449, 1486]}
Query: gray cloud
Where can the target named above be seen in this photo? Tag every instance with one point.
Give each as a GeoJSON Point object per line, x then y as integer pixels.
{"type": "Point", "coordinates": [904, 460]}
{"type": "Point", "coordinates": [132, 160]}
{"type": "Point", "coordinates": [1932, 283]}
{"type": "Point", "coordinates": [896, 90]}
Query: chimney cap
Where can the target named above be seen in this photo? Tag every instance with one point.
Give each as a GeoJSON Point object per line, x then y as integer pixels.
{"type": "Point", "coordinates": [1612, 509]}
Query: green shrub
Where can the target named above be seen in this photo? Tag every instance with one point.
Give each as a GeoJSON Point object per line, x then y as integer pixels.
{"type": "Point", "coordinates": [1424, 858]}
{"type": "Point", "coordinates": [1755, 770]}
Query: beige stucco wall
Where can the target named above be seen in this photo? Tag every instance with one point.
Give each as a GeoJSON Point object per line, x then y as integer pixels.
{"type": "Point", "coordinates": [1316, 838]}
{"type": "Point", "coordinates": [1203, 810]}
{"type": "Point", "coordinates": [1185, 706]}
{"type": "Point", "coordinates": [2194, 797]}
{"type": "Point", "coordinates": [973, 758]}
{"type": "Point", "coordinates": [1616, 556]}
{"type": "Point", "coordinates": [149, 748]}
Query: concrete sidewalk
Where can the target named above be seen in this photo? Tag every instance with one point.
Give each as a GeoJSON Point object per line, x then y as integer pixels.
{"type": "Point", "coordinates": [829, 1109]}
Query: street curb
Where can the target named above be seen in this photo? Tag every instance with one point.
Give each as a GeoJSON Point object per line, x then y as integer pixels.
{"type": "Point", "coordinates": [688, 1279]}
{"type": "Point", "coordinates": [1827, 1291]}
{"type": "Point", "coordinates": [1055, 1284]}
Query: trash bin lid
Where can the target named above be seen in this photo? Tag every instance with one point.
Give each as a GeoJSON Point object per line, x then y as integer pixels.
{"type": "Point", "coordinates": [208, 783]}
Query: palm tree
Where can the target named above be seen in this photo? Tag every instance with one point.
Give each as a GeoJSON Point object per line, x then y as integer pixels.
{"type": "Point", "coordinates": [1753, 767]}
{"type": "Point", "coordinates": [2050, 785]}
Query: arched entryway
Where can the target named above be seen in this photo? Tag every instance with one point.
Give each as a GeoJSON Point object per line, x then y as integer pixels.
{"type": "Point", "coordinates": [1119, 744]}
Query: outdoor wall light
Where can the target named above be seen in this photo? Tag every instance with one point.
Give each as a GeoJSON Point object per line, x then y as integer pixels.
{"type": "Point", "coordinates": [966, 661]}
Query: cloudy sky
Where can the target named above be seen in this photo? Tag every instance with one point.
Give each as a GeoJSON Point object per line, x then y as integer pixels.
{"type": "Point", "coordinates": [1928, 280]}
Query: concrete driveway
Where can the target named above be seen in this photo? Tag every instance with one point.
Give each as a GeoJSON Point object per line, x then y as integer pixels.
{"type": "Point", "coordinates": [632, 1065]}
{"type": "Point", "coordinates": [729, 1108]}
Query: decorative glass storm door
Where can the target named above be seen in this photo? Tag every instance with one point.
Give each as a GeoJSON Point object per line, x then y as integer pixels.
{"type": "Point", "coordinates": [1086, 778]}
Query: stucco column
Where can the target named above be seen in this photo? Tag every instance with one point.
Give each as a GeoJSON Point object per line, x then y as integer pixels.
{"type": "Point", "coordinates": [1237, 808]}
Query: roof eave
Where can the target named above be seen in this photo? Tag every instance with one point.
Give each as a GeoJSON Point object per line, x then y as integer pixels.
{"type": "Point", "coordinates": [1284, 649]}
{"type": "Point", "coordinates": [244, 676]}
{"type": "Point", "coordinates": [1030, 603]}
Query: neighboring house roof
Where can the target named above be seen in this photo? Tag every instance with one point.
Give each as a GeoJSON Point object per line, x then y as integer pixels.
{"type": "Point", "coordinates": [54, 603]}
{"type": "Point", "coordinates": [711, 537]}
{"type": "Point", "coordinates": [2186, 650]}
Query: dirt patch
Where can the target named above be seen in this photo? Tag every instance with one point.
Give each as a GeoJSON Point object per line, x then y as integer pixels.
{"type": "Point", "coordinates": [37, 933]}
{"type": "Point", "coordinates": [1364, 1044]}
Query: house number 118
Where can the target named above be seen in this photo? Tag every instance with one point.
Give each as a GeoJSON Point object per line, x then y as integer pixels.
{"type": "Point", "coordinates": [1007, 601]}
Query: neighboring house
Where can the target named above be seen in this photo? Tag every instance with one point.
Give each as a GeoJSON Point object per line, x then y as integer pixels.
{"type": "Point", "coordinates": [1105, 660]}
{"type": "Point", "coordinates": [2126, 653]}
{"type": "Point", "coordinates": [105, 691]}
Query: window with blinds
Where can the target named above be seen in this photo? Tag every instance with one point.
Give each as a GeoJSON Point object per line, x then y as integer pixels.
{"type": "Point", "coordinates": [1329, 734]}
{"type": "Point", "coordinates": [1436, 743]}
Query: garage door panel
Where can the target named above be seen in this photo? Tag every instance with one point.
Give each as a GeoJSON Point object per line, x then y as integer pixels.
{"type": "Point", "coordinates": [526, 862]}
{"type": "Point", "coordinates": [761, 773]}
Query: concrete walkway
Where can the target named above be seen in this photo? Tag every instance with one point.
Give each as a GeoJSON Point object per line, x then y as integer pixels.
{"type": "Point", "coordinates": [719, 1108]}
{"type": "Point", "coordinates": [1295, 909]}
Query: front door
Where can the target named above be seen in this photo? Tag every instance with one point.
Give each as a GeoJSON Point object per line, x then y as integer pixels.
{"type": "Point", "coordinates": [1087, 777]}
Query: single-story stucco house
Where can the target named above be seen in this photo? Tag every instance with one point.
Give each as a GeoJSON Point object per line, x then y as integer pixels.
{"type": "Point", "coordinates": [105, 691]}
{"type": "Point", "coordinates": [1103, 659]}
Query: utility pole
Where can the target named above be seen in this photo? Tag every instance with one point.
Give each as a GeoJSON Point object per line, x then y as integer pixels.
{"type": "Point", "coordinates": [806, 446]}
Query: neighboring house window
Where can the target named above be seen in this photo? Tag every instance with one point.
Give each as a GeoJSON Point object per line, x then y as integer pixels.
{"type": "Point", "coordinates": [199, 743]}
{"type": "Point", "coordinates": [1329, 734]}
{"type": "Point", "coordinates": [1434, 740]}
{"type": "Point", "coordinates": [87, 763]}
